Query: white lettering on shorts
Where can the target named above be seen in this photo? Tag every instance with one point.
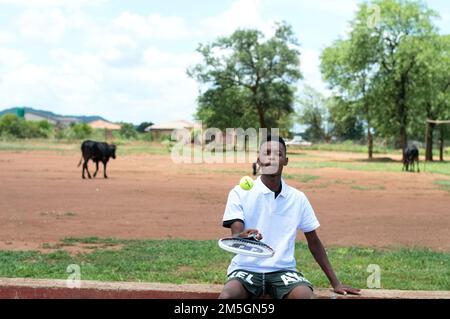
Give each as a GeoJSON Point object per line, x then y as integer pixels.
{"type": "Point", "coordinates": [244, 275]}
{"type": "Point", "coordinates": [290, 278]}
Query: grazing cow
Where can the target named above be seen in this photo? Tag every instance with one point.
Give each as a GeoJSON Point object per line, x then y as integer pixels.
{"type": "Point", "coordinates": [411, 159]}
{"type": "Point", "coordinates": [97, 152]}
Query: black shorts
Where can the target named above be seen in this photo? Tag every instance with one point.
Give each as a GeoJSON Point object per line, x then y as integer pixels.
{"type": "Point", "coordinates": [277, 284]}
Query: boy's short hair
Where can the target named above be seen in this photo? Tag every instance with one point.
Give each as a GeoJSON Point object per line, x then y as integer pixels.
{"type": "Point", "coordinates": [275, 138]}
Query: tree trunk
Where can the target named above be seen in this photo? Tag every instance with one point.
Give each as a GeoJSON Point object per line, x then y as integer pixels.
{"type": "Point", "coordinates": [403, 140]}
{"type": "Point", "coordinates": [429, 142]}
{"type": "Point", "coordinates": [259, 107]}
{"type": "Point", "coordinates": [402, 116]}
{"type": "Point", "coordinates": [369, 134]}
{"type": "Point", "coordinates": [441, 144]}
{"type": "Point", "coordinates": [262, 120]}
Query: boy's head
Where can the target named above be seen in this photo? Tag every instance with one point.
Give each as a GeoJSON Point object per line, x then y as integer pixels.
{"type": "Point", "coordinates": [272, 155]}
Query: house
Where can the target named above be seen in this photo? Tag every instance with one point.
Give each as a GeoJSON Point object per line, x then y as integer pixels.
{"type": "Point", "coordinates": [100, 124]}
{"type": "Point", "coordinates": [162, 130]}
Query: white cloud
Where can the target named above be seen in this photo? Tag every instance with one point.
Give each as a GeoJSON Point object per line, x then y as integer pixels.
{"type": "Point", "coordinates": [87, 83]}
{"type": "Point", "coordinates": [11, 58]}
{"type": "Point", "coordinates": [340, 7]}
{"type": "Point", "coordinates": [52, 3]}
{"type": "Point", "coordinates": [6, 37]}
{"type": "Point", "coordinates": [43, 26]}
{"type": "Point", "coordinates": [241, 14]}
{"type": "Point", "coordinates": [153, 26]}
{"type": "Point", "coordinates": [116, 67]}
{"type": "Point", "coordinates": [310, 67]}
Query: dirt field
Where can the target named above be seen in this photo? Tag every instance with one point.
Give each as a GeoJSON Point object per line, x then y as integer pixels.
{"type": "Point", "coordinates": [43, 199]}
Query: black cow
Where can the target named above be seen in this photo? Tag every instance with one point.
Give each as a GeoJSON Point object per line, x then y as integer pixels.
{"type": "Point", "coordinates": [411, 159]}
{"type": "Point", "coordinates": [255, 168]}
{"type": "Point", "coordinates": [97, 152]}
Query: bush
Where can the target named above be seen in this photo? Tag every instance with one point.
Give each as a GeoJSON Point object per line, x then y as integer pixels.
{"type": "Point", "coordinates": [147, 137]}
{"type": "Point", "coordinates": [141, 127]}
{"type": "Point", "coordinates": [80, 131]}
{"type": "Point", "coordinates": [128, 131]}
{"type": "Point", "coordinates": [13, 126]}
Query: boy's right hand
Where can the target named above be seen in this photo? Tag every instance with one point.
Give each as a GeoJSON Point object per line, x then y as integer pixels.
{"type": "Point", "coordinates": [248, 232]}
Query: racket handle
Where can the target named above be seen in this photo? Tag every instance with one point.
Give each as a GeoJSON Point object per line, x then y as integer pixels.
{"type": "Point", "coordinates": [252, 236]}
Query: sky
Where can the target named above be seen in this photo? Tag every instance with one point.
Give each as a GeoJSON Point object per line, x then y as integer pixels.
{"type": "Point", "coordinates": [127, 60]}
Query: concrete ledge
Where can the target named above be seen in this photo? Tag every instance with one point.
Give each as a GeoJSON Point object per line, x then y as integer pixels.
{"type": "Point", "coordinates": [23, 288]}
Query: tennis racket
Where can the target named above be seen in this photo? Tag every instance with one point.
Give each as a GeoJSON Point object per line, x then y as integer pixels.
{"type": "Point", "coordinates": [246, 246]}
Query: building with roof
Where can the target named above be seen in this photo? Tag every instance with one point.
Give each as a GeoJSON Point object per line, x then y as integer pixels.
{"type": "Point", "coordinates": [100, 124]}
{"type": "Point", "coordinates": [163, 130]}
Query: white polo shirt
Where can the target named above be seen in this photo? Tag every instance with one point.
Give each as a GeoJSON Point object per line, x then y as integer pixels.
{"type": "Point", "coordinates": [277, 219]}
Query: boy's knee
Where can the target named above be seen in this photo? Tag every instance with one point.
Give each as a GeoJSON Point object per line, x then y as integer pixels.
{"type": "Point", "coordinates": [233, 290]}
{"type": "Point", "coordinates": [232, 295]}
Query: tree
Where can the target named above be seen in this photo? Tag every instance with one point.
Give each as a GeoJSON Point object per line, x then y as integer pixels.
{"type": "Point", "coordinates": [12, 125]}
{"type": "Point", "coordinates": [401, 35]}
{"type": "Point", "coordinates": [376, 66]}
{"type": "Point", "coordinates": [313, 113]}
{"type": "Point", "coordinates": [141, 127]}
{"type": "Point", "coordinates": [226, 108]}
{"type": "Point", "coordinates": [346, 124]}
{"type": "Point", "coordinates": [81, 130]}
{"type": "Point", "coordinates": [262, 72]}
{"type": "Point", "coordinates": [433, 90]}
{"type": "Point", "coordinates": [128, 131]}
{"type": "Point", "coordinates": [347, 66]}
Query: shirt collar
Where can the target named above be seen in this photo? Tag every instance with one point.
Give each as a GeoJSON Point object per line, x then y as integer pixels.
{"type": "Point", "coordinates": [265, 190]}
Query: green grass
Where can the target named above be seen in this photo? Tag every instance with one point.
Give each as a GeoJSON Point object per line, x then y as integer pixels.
{"type": "Point", "coordinates": [351, 147]}
{"type": "Point", "coordinates": [186, 261]}
{"type": "Point", "coordinates": [395, 167]}
{"type": "Point", "coordinates": [124, 147]}
{"type": "Point", "coordinates": [304, 178]}
{"type": "Point", "coordinates": [443, 184]}
{"type": "Point", "coordinates": [39, 145]}
{"type": "Point", "coordinates": [137, 147]}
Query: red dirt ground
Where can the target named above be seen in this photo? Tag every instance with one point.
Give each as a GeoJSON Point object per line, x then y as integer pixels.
{"type": "Point", "coordinates": [43, 199]}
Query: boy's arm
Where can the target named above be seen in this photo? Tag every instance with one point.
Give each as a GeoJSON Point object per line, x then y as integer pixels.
{"type": "Point", "coordinates": [237, 230]}
{"type": "Point", "coordinates": [318, 251]}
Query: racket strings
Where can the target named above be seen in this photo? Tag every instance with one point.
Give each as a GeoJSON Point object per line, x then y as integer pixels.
{"type": "Point", "coordinates": [248, 242]}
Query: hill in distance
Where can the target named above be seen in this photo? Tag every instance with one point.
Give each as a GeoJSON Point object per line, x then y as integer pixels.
{"type": "Point", "coordinates": [52, 115]}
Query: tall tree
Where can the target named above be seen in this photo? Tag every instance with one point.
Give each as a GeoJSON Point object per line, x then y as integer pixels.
{"type": "Point", "coordinates": [348, 67]}
{"type": "Point", "coordinates": [263, 71]}
{"type": "Point", "coordinates": [314, 114]}
{"type": "Point", "coordinates": [402, 34]}
{"type": "Point", "coordinates": [376, 65]}
{"type": "Point", "coordinates": [346, 123]}
{"type": "Point", "coordinates": [433, 91]}
{"type": "Point", "coordinates": [226, 108]}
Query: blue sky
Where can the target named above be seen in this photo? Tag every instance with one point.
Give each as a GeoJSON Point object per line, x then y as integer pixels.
{"type": "Point", "coordinates": [126, 60]}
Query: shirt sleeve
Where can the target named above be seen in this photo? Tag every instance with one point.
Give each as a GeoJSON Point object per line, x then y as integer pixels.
{"type": "Point", "coordinates": [233, 209]}
{"type": "Point", "coordinates": [308, 220]}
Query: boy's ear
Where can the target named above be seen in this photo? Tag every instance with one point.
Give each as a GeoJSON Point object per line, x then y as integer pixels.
{"type": "Point", "coordinates": [287, 161]}
{"type": "Point", "coordinates": [258, 161]}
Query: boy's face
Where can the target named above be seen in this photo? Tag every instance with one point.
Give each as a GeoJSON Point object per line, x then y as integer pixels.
{"type": "Point", "coordinates": [272, 158]}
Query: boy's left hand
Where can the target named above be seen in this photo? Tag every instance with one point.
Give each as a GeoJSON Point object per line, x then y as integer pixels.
{"type": "Point", "coordinates": [343, 290]}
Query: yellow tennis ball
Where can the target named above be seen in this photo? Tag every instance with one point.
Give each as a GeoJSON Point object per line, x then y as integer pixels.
{"type": "Point", "coordinates": [246, 183]}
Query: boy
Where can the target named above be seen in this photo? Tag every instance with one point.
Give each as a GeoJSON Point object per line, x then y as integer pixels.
{"type": "Point", "coordinates": [274, 211]}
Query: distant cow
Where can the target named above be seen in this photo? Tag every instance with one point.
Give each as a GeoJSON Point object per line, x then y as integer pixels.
{"type": "Point", "coordinates": [411, 159]}
{"type": "Point", "coordinates": [255, 168]}
{"type": "Point", "coordinates": [97, 152]}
